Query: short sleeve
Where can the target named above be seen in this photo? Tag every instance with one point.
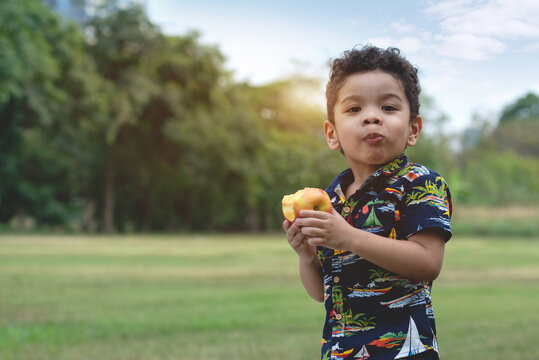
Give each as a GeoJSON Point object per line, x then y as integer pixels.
{"type": "Point", "coordinates": [427, 204]}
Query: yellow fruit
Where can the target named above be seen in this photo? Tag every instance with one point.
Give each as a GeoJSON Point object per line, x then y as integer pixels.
{"type": "Point", "coordinates": [305, 199]}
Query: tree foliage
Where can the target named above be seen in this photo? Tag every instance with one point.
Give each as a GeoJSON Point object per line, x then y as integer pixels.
{"type": "Point", "coordinates": [117, 127]}
{"type": "Point", "coordinates": [434, 143]}
{"type": "Point", "coordinates": [525, 107]}
{"type": "Point", "coordinates": [500, 165]}
{"type": "Point", "coordinates": [48, 89]}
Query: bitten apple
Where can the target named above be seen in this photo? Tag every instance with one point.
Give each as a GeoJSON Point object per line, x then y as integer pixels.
{"type": "Point", "coordinates": [305, 199]}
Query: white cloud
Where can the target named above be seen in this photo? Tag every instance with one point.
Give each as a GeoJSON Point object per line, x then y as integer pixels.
{"type": "Point", "coordinates": [449, 7]}
{"type": "Point", "coordinates": [501, 18]}
{"type": "Point", "coordinates": [476, 30]}
{"type": "Point", "coordinates": [402, 27]}
{"type": "Point", "coordinates": [469, 46]}
{"type": "Point", "coordinates": [530, 48]}
{"type": "Point", "coordinates": [407, 44]}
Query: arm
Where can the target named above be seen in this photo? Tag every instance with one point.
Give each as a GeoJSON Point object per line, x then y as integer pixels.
{"type": "Point", "coordinates": [310, 271]}
{"type": "Point", "coordinates": [420, 258]}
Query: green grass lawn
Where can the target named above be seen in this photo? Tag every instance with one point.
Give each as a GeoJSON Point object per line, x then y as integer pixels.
{"type": "Point", "coordinates": [234, 297]}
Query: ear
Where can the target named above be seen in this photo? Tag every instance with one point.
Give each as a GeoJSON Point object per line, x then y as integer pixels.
{"type": "Point", "coordinates": [331, 135]}
{"type": "Point", "coordinates": [415, 129]}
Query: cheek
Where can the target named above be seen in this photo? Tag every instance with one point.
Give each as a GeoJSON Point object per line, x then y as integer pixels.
{"type": "Point", "coordinates": [348, 127]}
{"type": "Point", "coordinates": [401, 136]}
{"type": "Point", "coordinates": [348, 135]}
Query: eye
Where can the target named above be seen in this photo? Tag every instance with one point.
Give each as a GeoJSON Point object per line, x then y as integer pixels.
{"type": "Point", "coordinates": [354, 109]}
{"type": "Point", "coordinates": [389, 108]}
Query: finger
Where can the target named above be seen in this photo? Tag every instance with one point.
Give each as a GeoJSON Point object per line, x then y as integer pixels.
{"type": "Point", "coordinates": [297, 239]}
{"type": "Point", "coordinates": [313, 214]}
{"type": "Point", "coordinates": [316, 241]}
{"type": "Point", "coordinates": [286, 225]}
{"type": "Point", "coordinates": [312, 231]}
{"type": "Point", "coordinates": [291, 232]}
{"type": "Point", "coordinates": [309, 222]}
{"type": "Point", "coordinates": [294, 228]}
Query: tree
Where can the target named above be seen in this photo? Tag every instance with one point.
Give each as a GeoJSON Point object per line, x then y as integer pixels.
{"type": "Point", "coordinates": [433, 148]}
{"type": "Point", "coordinates": [119, 44]}
{"type": "Point", "coordinates": [25, 86]}
{"type": "Point", "coordinates": [150, 132]}
{"type": "Point", "coordinates": [518, 127]}
{"type": "Point", "coordinates": [500, 163]}
{"type": "Point", "coordinates": [294, 154]}
{"type": "Point", "coordinates": [185, 139]}
{"type": "Point", "coordinates": [518, 135]}
{"type": "Point", "coordinates": [500, 178]}
{"type": "Point", "coordinates": [47, 88]}
{"type": "Point", "coordinates": [525, 107]}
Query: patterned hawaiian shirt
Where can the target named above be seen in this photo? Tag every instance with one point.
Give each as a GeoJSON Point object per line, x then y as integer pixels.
{"type": "Point", "coordinates": [371, 312]}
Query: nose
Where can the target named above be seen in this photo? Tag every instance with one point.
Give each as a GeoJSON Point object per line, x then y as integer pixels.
{"type": "Point", "coordinates": [372, 117]}
{"type": "Point", "coordinates": [371, 121]}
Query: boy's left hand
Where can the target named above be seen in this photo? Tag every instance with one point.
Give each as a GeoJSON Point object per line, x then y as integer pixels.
{"type": "Point", "coordinates": [325, 229]}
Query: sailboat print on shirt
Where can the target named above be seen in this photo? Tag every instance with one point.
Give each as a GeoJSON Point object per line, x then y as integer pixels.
{"type": "Point", "coordinates": [413, 299]}
{"type": "Point", "coordinates": [412, 344]}
{"type": "Point", "coordinates": [362, 354]}
{"type": "Point", "coordinates": [355, 293]}
{"type": "Point", "coordinates": [372, 223]}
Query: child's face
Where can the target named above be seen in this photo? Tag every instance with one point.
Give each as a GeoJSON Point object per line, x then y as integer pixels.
{"type": "Point", "coordinates": [372, 120]}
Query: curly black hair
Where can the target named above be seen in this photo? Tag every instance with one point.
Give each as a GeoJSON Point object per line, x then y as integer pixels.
{"type": "Point", "coordinates": [370, 58]}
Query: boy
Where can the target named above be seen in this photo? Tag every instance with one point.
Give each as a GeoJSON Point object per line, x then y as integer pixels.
{"type": "Point", "coordinates": [373, 259]}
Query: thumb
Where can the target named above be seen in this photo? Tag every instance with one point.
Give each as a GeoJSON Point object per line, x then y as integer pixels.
{"type": "Point", "coordinates": [286, 225]}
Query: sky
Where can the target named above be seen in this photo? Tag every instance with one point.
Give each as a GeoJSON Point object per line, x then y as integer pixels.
{"type": "Point", "coordinates": [473, 56]}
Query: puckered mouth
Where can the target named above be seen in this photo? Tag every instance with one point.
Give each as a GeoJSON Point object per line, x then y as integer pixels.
{"type": "Point", "coordinates": [372, 136]}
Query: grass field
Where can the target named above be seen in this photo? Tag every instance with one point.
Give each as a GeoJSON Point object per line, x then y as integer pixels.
{"type": "Point", "coordinates": [234, 297]}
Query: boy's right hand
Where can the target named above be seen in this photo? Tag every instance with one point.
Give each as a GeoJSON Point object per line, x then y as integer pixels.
{"type": "Point", "coordinates": [298, 241]}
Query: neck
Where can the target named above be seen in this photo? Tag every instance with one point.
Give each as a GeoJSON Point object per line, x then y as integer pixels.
{"type": "Point", "coordinates": [361, 173]}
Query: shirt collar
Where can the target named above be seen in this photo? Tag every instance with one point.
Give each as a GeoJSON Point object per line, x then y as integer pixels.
{"type": "Point", "coordinates": [347, 177]}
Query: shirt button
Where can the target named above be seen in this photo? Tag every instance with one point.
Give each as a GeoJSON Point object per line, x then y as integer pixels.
{"type": "Point", "coordinates": [336, 279]}
{"type": "Point", "coordinates": [338, 316]}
